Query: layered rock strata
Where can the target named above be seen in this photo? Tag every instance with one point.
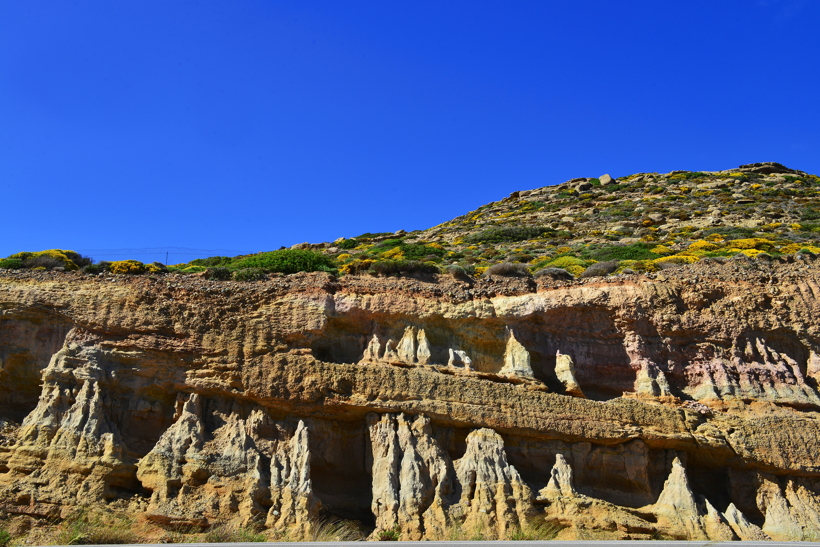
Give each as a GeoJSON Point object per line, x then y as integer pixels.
{"type": "Point", "coordinates": [683, 404]}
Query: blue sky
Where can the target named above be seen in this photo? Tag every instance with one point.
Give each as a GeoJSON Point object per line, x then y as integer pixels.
{"type": "Point", "coordinates": [246, 126]}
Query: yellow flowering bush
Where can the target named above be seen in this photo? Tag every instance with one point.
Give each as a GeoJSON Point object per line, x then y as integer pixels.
{"type": "Point", "coordinates": [343, 256]}
{"type": "Point", "coordinates": [480, 270]}
{"type": "Point", "coordinates": [796, 227]}
{"type": "Point", "coordinates": [702, 245]}
{"type": "Point", "coordinates": [661, 250]}
{"type": "Point", "coordinates": [715, 238]}
{"type": "Point", "coordinates": [751, 252]}
{"type": "Point", "coordinates": [752, 243]}
{"type": "Point", "coordinates": [637, 265]}
{"type": "Point", "coordinates": [562, 250]}
{"type": "Point", "coordinates": [575, 270]}
{"type": "Point", "coordinates": [356, 266]}
{"type": "Point", "coordinates": [795, 247]}
{"type": "Point", "coordinates": [127, 267]}
{"type": "Point", "coordinates": [152, 268]}
{"type": "Point", "coordinates": [64, 256]}
{"type": "Point", "coordinates": [395, 253]}
{"type": "Point", "coordinates": [676, 259]}
{"type": "Point", "coordinates": [572, 264]}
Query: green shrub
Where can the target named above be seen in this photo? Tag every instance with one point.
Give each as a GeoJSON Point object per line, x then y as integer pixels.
{"type": "Point", "coordinates": [809, 227]}
{"type": "Point", "coordinates": [809, 213]}
{"type": "Point", "coordinates": [348, 244]}
{"type": "Point", "coordinates": [11, 264]}
{"type": "Point", "coordinates": [212, 261]}
{"type": "Point", "coordinates": [99, 267]}
{"type": "Point", "coordinates": [415, 251]}
{"type": "Point", "coordinates": [286, 261]}
{"type": "Point", "coordinates": [507, 269]}
{"type": "Point", "coordinates": [600, 269]}
{"type": "Point", "coordinates": [460, 272]}
{"type": "Point", "coordinates": [621, 211]}
{"type": "Point", "coordinates": [369, 235]}
{"type": "Point", "coordinates": [220, 273]}
{"type": "Point", "coordinates": [5, 538]}
{"type": "Point", "coordinates": [502, 234]}
{"type": "Point", "coordinates": [635, 251]}
{"type": "Point", "coordinates": [555, 273]}
{"type": "Point", "coordinates": [402, 267]}
{"type": "Point", "coordinates": [249, 274]}
{"type": "Point", "coordinates": [387, 244]}
{"type": "Point", "coordinates": [390, 535]}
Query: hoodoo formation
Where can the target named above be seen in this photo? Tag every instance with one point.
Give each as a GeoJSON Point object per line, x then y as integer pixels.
{"type": "Point", "coordinates": [675, 402]}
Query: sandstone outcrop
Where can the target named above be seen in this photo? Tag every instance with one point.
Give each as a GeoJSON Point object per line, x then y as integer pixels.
{"type": "Point", "coordinates": [682, 404]}
{"type": "Point", "coordinates": [494, 497]}
{"type": "Point", "coordinates": [565, 372]}
{"type": "Point", "coordinates": [516, 359]}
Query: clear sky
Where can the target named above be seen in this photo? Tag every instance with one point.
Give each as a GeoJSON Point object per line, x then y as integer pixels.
{"type": "Point", "coordinates": [249, 125]}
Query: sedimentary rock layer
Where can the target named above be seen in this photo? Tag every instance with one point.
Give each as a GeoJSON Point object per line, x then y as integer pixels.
{"type": "Point", "coordinates": [682, 403]}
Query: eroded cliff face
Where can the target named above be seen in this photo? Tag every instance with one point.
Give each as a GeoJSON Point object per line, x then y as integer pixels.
{"type": "Point", "coordinates": [683, 404]}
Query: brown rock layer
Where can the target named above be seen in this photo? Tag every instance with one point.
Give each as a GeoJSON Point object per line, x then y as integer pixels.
{"type": "Point", "coordinates": [682, 404]}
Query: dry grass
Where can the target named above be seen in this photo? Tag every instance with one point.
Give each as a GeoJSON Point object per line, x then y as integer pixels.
{"type": "Point", "coordinates": [102, 526]}
{"type": "Point", "coordinates": [88, 527]}
{"type": "Point", "coordinates": [535, 529]}
{"type": "Point", "coordinates": [225, 533]}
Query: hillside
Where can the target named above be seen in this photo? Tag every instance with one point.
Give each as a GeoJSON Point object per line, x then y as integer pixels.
{"type": "Point", "coordinates": [646, 221]}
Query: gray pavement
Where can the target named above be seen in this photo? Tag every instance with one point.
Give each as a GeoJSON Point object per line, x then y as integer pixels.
{"type": "Point", "coordinates": [578, 543]}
